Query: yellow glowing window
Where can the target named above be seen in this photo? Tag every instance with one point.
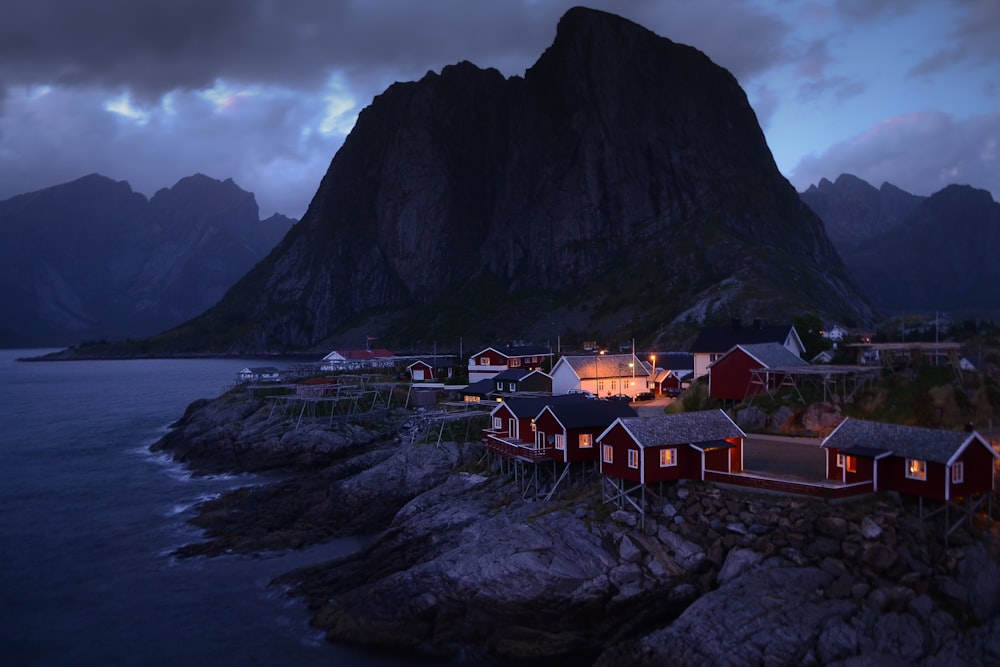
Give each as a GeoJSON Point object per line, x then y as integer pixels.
{"type": "Point", "coordinates": [560, 441]}
{"type": "Point", "coordinates": [633, 458]}
{"type": "Point", "coordinates": [916, 469]}
{"type": "Point", "coordinates": [851, 463]}
{"type": "Point", "coordinates": [586, 441]}
{"type": "Point", "coordinates": [668, 457]}
{"type": "Point", "coordinates": [608, 453]}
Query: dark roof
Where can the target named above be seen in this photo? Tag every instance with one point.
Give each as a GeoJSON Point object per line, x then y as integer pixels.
{"type": "Point", "coordinates": [436, 362]}
{"type": "Point", "coordinates": [512, 374]}
{"type": "Point", "coordinates": [720, 339]}
{"type": "Point", "coordinates": [592, 414]}
{"type": "Point", "coordinates": [682, 429]}
{"type": "Point", "coordinates": [518, 350]}
{"type": "Point", "coordinates": [926, 444]}
{"type": "Point", "coordinates": [675, 361]}
{"type": "Point", "coordinates": [530, 406]}
{"type": "Point", "coordinates": [481, 388]}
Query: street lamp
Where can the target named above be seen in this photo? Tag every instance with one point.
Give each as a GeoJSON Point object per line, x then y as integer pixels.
{"type": "Point", "coordinates": [652, 373]}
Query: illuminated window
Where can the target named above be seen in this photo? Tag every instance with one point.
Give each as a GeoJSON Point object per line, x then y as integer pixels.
{"type": "Point", "coordinates": [633, 458]}
{"type": "Point", "coordinates": [852, 463]}
{"type": "Point", "coordinates": [668, 457]}
{"type": "Point", "coordinates": [586, 441]}
{"type": "Point", "coordinates": [484, 361]}
{"type": "Point", "coordinates": [497, 423]}
{"type": "Point", "coordinates": [560, 441]}
{"type": "Point", "coordinates": [515, 362]}
{"type": "Point", "coordinates": [958, 473]}
{"type": "Point", "coordinates": [600, 385]}
{"type": "Point", "coordinates": [608, 453]}
{"type": "Point", "coordinates": [916, 469]}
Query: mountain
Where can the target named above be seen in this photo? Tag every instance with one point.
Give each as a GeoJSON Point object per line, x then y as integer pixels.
{"type": "Point", "coordinates": [854, 211]}
{"type": "Point", "coordinates": [93, 259]}
{"type": "Point", "coordinates": [915, 254]}
{"type": "Point", "coordinates": [621, 188]}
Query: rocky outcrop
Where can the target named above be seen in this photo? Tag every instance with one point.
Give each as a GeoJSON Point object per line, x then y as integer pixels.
{"type": "Point", "coordinates": [92, 259]}
{"type": "Point", "coordinates": [618, 148]}
{"type": "Point", "coordinates": [464, 563]}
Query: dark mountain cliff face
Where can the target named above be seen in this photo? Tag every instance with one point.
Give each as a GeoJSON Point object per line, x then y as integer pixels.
{"type": "Point", "coordinates": [93, 259]}
{"type": "Point", "coordinates": [915, 254]}
{"type": "Point", "coordinates": [621, 187]}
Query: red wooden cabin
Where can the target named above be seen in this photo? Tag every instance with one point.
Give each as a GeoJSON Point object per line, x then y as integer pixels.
{"type": "Point", "coordinates": [570, 430]}
{"type": "Point", "coordinates": [682, 446]}
{"type": "Point", "coordinates": [931, 463]}
{"type": "Point", "coordinates": [512, 430]}
{"type": "Point", "coordinates": [729, 378]}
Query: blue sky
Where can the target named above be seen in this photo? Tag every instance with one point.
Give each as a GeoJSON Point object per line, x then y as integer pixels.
{"type": "Point", "coordinates": [264, 91]}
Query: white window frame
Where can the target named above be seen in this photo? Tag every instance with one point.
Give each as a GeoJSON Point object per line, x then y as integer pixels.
{"type": "Point", "coordinates": [633, 458]}
{"type": "Point", "coordinates": [560, 441]}
{"type": "Point", "coordinates": [840, 460]}
{"type": "Point", "coordinates": [608, 454]}
{"type": "Point", "coordinates": [539, 439]}
{"type": "Point", "coordinates": [497, 423]}
{"type": "Point", "coordinates": [515, 362]}
{"type": "Point", "coordinates": [958, 473]}
{"type": "Point", "coordinates": [585, 441]}
{"type": "Point", "coordinates": [484, 361]}
{"type": "Point", "coordinates": [670, 460]}
{"type": "Point", "coordinates": [916, 469]}
{"type": "Point", "coordinates": [512, 428]}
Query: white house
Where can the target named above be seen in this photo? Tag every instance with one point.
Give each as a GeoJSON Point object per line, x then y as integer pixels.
{"type": "Point", "coordinates": [713, 342]}
{"type": "Point", "coordinates": [601, 374]}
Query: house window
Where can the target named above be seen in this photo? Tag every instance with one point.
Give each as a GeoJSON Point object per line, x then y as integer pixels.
{"type": "Point", "coordinates": [539, 439]}
{"type": "Point", "coordinates": [715, 356]}
{"type": "Point", "coordinates": [600, 385]}
{"type": "Point", "coordinates": [484, 361]}
{"type": "Point", "coordinates": [608, 453]}
{"type": "Point", "coordinates": [633, 458]}
{"type": "Point", "coordinates": [586, 441]}
{"type": "Point", "coordinates": [958, 473]}
{"type": "Point", "coordinates": [851, 463]}
{"type": "Point", "coordinates": [512, 428]}
{"type": "Point", "coordinates": [613, 386]}
{"type": "Point", "coordinates": [515, 362]}
{"type": "Point", "coordinates": [513, 387]}
{"type": "Point", "coordinates": [499, 386]}
{"type": "Point", "coordinates": [668, 457]}
{"type": "Point", "coordinates": [560, 441]}
{"type": "Point", "coordinates": [916, 469]}
{"type": "Point", "coordinates": [497, 423]}
{"type": "Point", "coordinates": [840, 460]}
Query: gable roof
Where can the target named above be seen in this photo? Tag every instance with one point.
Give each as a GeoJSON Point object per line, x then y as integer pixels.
{"type": "Point", "coordinates": [686, 428]}
{"type": "Point", "coordinates": [513, 374]}
{"type": "Point", "coordinates": [913, 442]}
{"type": "Point", "coordinates": [481, 388]}
{"type": "Point", "coordinates": [434, 362]}
{"type": "Point", "coordinates": [592, 414]}
{"type": "Point", "coordinates": [770, 355]}
{"type": "Point", "coordinates": [517, 351]}
{"type": "Point", "coordinates": [589, 366]}
{"type": "Point", "coordinates": [720, 339]}
{"type": "Point", "coordinates": [529, 406]}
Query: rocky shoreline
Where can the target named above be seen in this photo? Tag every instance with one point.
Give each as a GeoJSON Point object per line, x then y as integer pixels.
{"type": "Point", "coordinates": [462, 565]}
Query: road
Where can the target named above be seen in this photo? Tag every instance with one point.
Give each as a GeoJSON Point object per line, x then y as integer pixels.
{"type": "Point", "coordinates": [798, 458]}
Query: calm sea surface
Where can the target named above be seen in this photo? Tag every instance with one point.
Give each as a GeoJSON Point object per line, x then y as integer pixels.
{"type": "Point", "coordinates": [88, 518]}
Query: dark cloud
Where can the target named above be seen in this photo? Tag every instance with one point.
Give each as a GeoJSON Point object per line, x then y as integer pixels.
{"type": "Point", "coordinates": [974, 39]}
{"type": "Point", "coordinates": [919, 152]}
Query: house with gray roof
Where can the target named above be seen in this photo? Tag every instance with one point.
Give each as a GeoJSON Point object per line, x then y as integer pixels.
{"type": "Point", "coordinates": [601, 374]}
{"type": "Point", "coordinates": [644, 450]}
{"type": "Point", "coordinates": [713, 342]}
{"type": "Point", "coordinates": [925, 462]}
{"type": "Point", "coordinates": [570, 430]}
{"type": "Point", "coordinates": [730, 377]}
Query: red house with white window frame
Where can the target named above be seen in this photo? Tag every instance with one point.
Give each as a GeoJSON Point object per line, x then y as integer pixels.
{"type": "Point", "coordinates": [512, 430]}
{"type": "Point", "coordinates": [570, 430]}
{"type": "Point", "coordinates": [645, 450]}
{"type": "Point", "coordinates": [489, 362]}
{"type": "Point", "coordinates": [930, 463]}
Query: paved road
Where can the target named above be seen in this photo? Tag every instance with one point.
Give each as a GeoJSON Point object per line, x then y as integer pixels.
{"type": "Point", "coordinates": [800, 458]}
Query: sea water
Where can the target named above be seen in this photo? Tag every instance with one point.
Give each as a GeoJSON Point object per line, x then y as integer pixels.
{"type": "Point", "coordinates": [89, 519]}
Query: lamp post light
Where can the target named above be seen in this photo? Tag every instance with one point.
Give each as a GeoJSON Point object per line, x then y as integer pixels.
{"type": "Point", "coordinates": [652, 373]}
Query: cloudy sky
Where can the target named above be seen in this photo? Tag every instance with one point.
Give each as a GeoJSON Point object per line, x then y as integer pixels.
{"type": "Point", "coordinates": [264, 91]}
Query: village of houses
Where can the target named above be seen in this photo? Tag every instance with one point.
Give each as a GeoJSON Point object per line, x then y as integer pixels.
{"type": "Point", "coordinates": [600, 415]}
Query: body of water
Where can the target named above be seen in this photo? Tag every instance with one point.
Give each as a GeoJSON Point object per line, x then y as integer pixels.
{"type": "Point", "coordinates": [89, 518]}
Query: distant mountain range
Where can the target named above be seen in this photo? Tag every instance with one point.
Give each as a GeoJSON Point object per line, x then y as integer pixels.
{"type": "Point", "coordinates": [92, 259]}
{"type": "Point", "coordinates": [622, 188]}
{"type": "Point", "coordinates": [909, 253]}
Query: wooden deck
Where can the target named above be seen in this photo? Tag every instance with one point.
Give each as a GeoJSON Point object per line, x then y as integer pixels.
{"type": "Point", "coordinates": [514, 449]}
{"type": "Point", "coordinates": [827, 490]}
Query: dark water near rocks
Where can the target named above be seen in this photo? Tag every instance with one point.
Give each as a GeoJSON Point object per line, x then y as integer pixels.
{"type": "Point", "coordinates": [88, 518]}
